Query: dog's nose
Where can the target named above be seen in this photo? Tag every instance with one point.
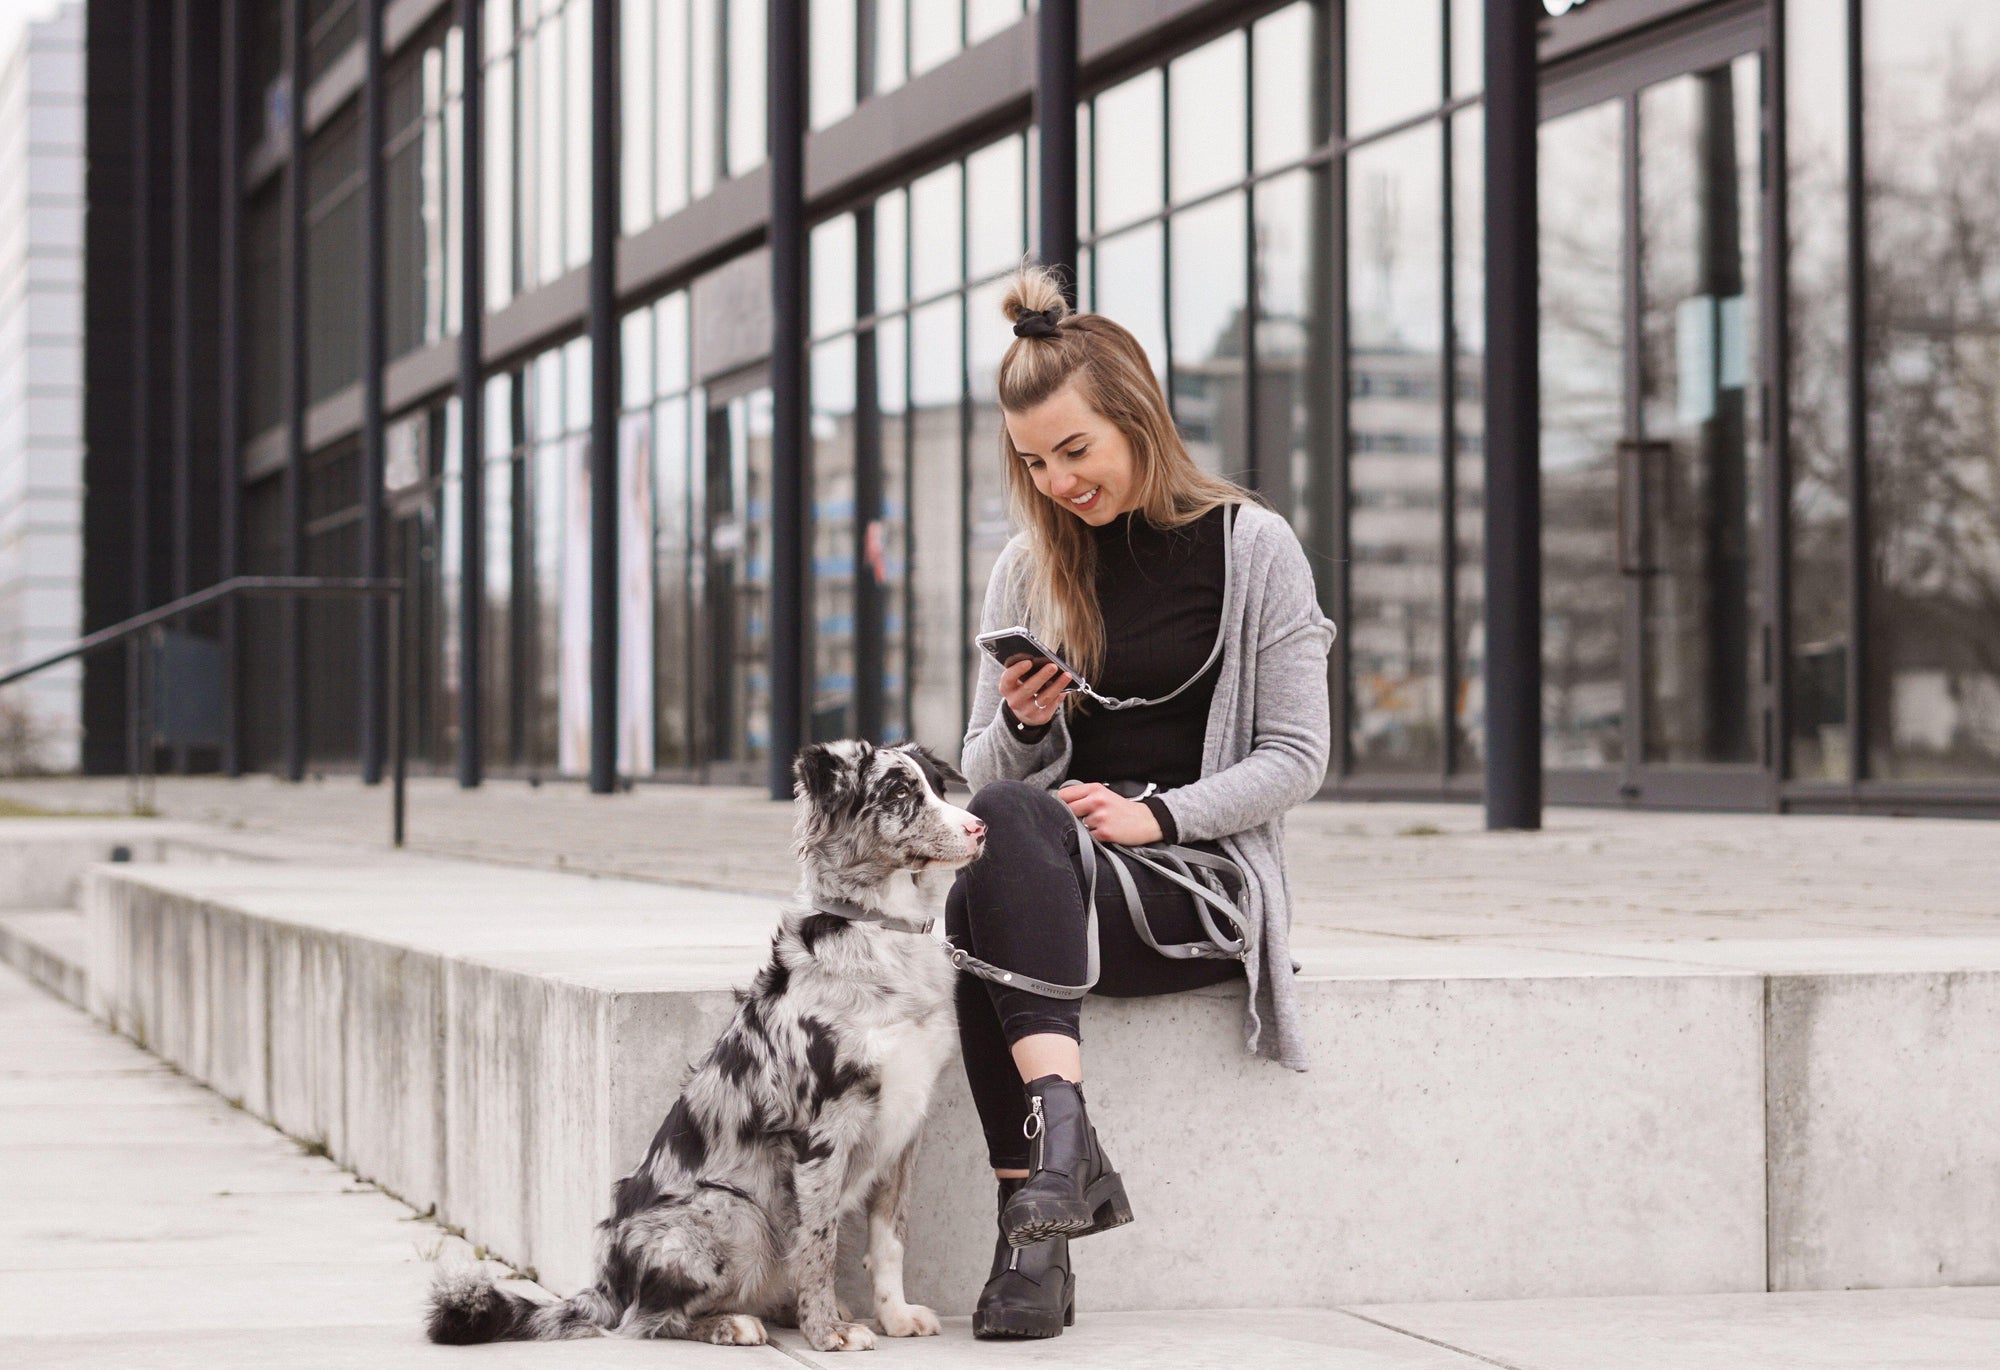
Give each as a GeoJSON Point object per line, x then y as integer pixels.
{"type": "Point", "coordinates": [974, 828]}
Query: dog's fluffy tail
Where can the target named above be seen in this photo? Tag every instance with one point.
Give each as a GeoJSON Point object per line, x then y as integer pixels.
{"type": "Point", "coordinates": [467, 1307]}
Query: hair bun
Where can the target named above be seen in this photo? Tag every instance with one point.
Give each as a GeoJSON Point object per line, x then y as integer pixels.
{"type": "Point", "coordinates": [1034, 302]}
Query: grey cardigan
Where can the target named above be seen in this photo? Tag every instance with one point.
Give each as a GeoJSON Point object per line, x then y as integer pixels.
{"type": "Point", "coordinates": [1265, 750]}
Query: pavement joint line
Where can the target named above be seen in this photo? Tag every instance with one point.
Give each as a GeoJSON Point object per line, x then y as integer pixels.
{"type": "Point", "coordinates": [1445, 1345]}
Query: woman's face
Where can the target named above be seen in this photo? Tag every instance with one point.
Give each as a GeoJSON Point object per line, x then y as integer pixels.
{"type": "Point", "coordinates": [1075, 456]}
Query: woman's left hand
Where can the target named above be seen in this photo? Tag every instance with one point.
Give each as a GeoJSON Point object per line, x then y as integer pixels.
{"type": "Point", "coordinates": [1110, 816]}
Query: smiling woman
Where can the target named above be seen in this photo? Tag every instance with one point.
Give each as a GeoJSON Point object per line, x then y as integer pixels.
{"type": "Point", "coordinates": [1165, 583]}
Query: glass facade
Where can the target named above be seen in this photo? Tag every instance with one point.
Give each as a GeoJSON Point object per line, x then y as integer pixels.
{"type": "Point", "coordinates": [1768, 462]}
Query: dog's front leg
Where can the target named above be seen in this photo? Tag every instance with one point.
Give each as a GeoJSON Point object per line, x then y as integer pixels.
{"type": "Point", "coordinates": [888, 1223]}
{"type": "Point", "coordinates": [817, 1180]}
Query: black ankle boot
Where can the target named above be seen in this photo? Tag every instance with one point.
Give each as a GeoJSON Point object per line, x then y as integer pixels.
{"type": "Point", "coordinates": [1071, 1189]}
{"type": "Point", "coordinates": [1032, 1291]}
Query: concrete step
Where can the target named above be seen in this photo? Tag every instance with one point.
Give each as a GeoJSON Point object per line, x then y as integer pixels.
{"type": "Point", "coordinates": [47, 946]}
{"type": "Point", "coordinates": [1483, 1121]}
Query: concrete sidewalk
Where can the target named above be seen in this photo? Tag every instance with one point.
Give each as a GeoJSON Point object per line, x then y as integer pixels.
{"type": "Point", "coordinates": [145, 1223]}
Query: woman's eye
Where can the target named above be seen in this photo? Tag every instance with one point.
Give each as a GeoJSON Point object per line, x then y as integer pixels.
{"type": "Point", "coordinates": [1078, 454]}
{"type": "Point", "coordinates": [1035, 464]}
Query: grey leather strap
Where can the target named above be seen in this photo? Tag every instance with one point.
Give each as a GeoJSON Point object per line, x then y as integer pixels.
{"type": "Point", "coordinates": [854, 913]}
{"type": "Point", "coordinates": [1221, 632]}
{"type": "Point", "coordinates": [1176, 864]}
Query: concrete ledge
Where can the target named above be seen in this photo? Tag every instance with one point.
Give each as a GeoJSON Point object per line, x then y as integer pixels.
{"type": "Point", "coordinates": [1483, 1121]}
{"type": "Point", "coordinates": [48, 948]}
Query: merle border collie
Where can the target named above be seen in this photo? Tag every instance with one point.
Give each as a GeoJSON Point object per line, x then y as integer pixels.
{"type": "Point", "coordinates": [806, 1109]}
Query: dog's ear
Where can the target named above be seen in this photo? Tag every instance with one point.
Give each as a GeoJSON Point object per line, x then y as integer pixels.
{"type": "Point", "coordinates": [816, 774]}
{"type": "Point", "coordinates": [937, 771]}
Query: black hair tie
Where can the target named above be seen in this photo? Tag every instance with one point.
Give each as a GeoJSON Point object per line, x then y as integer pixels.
{"type": "Point", "coordinates": [1037, 323]}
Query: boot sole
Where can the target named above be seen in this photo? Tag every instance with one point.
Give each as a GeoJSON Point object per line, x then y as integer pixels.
{"type": "Point", "coordinates": [1025, 1324]}
{"type": "Point", "coordinates": [1104, 1206]}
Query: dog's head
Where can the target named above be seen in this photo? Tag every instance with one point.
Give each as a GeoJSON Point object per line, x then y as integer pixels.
{"type": "Point", "coordinates": [863, 807]}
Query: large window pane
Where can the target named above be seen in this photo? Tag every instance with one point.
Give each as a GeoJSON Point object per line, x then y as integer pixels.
{"type": "Point", "coordinates": [670, 109]}
{"type": "Point", "coordinates": [1395, 466]}
{"type": "Point", "coordinates": [1395, 56]}
{"type": "Point", "coordinates": [832, 276]}
{"type": "Point", "coordinates": [746, 84]}
{"type": "Point", "coordinates": [1208, 145]}
{"type": "Point", "coordinates": [1281, 93]}
{"type": "Point", "coordinates": [934, 32]}
{"type": "Point", "coordinates": [1468, 285]}
{"type": "Point", "coordinates": [500, 184]}
{"type": "Point", "coordinates": [1468, 46]}
{"type": "Point", "coordinates": [1130, 287]}
{"type": "Point", "coordinates": [576, 136]}
{"type": "Point", "coordinates": [1932, 101]}
{"type": "Point", "coordinates": [673, 649]}
{"type": "Point", "coordinates": [1209, 279]}
{"type": "Point", "coordinates": [892, 251]}
{"type": "Point", "coordinates": [636, 52]}
{"type": "Point", "coordinates": [937, 539]}
{"type": "Point", "coordinates": [334, 174]}
{"type": "Point", "coordinates": [704, 66]}
{"type": "Point", "coordinates": [833, 541]}
{"type": "Point", "coordinates": [892, 341]}
{"type": "Point", "coordinates": [1285, 244]}
{"type": "Point", "coordinates": [995, 205]}
{"type": "Point", "coordinates": [1582, 363]}
{"type": "Point", "coordinates": [987, 338]}
{"type": "Point", "coordinates": [832, 56]}
{"type": "Point", "coordinates": [892, 64]}
{"type": "Point", "coordinates": [1821, 350]}
{"type": "Point", "coordinates": [1129, 161]}
{"type": "Point", "coordinates": [936, 233]}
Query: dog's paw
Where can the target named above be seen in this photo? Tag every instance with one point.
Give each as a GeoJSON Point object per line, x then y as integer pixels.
{"type": "Point", "coordinates": [840, 1336]}
{"type": "Point", "coordinates": [908, 1320]}
{"type": "Point", "coordinates": [737, 1329]}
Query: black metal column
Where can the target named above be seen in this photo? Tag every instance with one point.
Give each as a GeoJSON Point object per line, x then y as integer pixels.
{"type": "Point", "coordinates": [1860, 576]}
{"type": "Point", "coordinates": [786, 89]}
{"type": "Point", "coordinates": [374, 346]}
{"type": "Point", "coordinates": [604, 397]}
{"type": "Point", "coordinates": [293, 665]}
{"type": "Point", "coordinates": [1055, 124]}
{"type": "Point", "coordinates": [870, 549]}
{"type": "Point", "coordinates": [472, 413]}
{"type": "Point", "coordinates": [229, 389]}
{"type": "Point", "coordinates": [180, 496]}
{"type": "Point", "coordinates": [1513, 424]}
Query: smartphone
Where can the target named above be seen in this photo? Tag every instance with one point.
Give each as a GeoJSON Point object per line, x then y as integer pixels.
{"type": "Point", "coordinates": [1009, 645]}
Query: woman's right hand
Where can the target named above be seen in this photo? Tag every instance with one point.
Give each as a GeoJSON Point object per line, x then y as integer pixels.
{"type": "Point", "coordinates": [1033, 694]}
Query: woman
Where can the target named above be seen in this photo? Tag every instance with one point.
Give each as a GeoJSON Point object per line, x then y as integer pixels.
{"type": "Point", "coordinates": [1122, 570]}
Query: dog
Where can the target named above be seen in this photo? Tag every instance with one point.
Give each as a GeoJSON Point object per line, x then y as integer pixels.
{"type": "Point", "coordinates": [808, 1106]}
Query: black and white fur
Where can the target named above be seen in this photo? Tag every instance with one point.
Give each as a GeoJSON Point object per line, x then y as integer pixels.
{"type": "Point", "coordinates": [809, 1106]}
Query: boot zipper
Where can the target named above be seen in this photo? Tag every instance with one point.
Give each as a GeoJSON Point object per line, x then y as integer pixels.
{"type": "Point", "coordinates": [1033, 1129]}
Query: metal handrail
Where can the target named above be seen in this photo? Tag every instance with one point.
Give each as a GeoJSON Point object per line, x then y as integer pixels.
{"type": "Point", "coordinates": [260, 587]}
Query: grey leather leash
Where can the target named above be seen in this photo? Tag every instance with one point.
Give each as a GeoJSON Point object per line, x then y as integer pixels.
{"type": "Point", "coordinates": [1221, 632]}
{"type": "Point", "coordinates": [1184, 866]}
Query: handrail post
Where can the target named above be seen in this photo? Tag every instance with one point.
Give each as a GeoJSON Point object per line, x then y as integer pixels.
{"type": "Point", "coordinates": [396, 721]}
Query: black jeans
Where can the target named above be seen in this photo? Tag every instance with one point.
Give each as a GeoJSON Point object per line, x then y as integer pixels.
{"type": "Point", "coordinates": [1020, 907]}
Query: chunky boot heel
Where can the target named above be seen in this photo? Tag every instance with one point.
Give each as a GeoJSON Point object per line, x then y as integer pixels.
{"type": "Point", "coordinates": [1108, 1205]}
{"type": "Point", "coordinates": [1072, 1190]}
{"type": "Point", "coordinates": [1031, 1293]}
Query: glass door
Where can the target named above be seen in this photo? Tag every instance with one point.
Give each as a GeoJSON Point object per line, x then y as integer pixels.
{"type": "Point", "coordinates": [1654, 361]}
{"type": "Point", "coordinates": [733, 640]}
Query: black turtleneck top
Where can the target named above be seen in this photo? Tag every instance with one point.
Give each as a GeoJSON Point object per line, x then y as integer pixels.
{"type": "Point", "coordinates": [1161, 592]}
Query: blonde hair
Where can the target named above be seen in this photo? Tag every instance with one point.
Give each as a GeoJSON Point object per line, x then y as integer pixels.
{"type": "Point", "coordinates": [1109, 369]}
